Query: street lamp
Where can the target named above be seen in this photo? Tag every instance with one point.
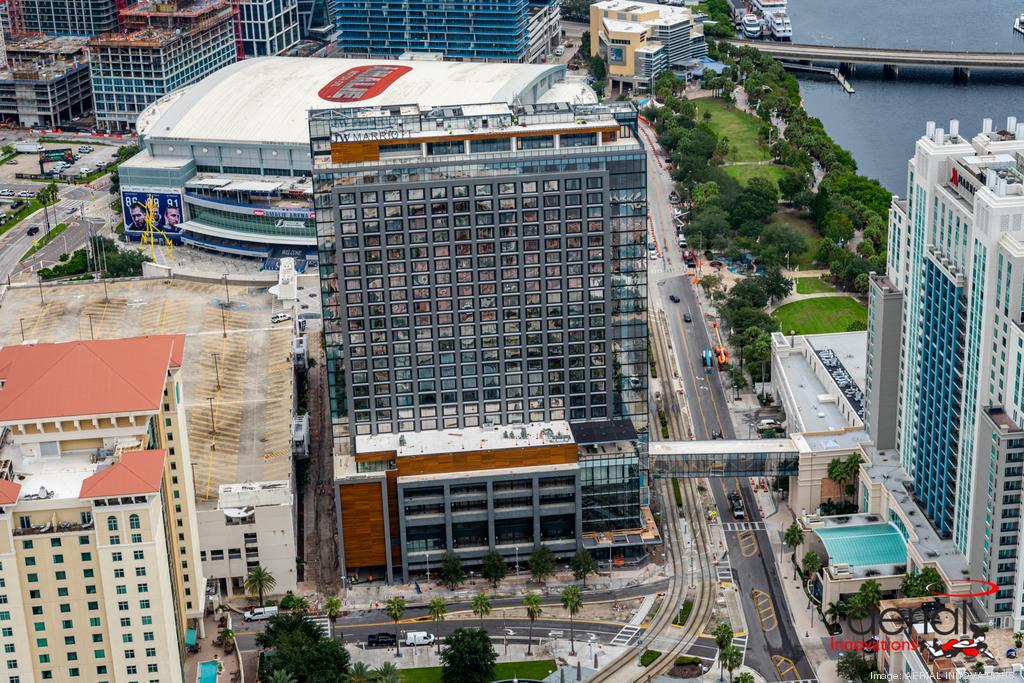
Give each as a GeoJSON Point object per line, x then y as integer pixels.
{"type": "Point", "coordinates": [428, 567]}
{"type": "Point", "coordinates": [517, 560]}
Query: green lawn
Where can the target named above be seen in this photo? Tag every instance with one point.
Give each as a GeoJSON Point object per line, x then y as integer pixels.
{"type": "Point", "coordinates": [534, 669]}
{"type": "Point", "coordinates": [744, 173]}
{"type": "Point", "coordinates": [802, 223]}
{"type": "Point", "coordinates": [820, 316]}
{"type": "Point", "coordinates": [740, 128]}
{"type": "Point", "coordinates": [812, 285]}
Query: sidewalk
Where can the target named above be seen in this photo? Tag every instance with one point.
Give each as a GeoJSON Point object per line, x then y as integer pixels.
{"type": "Point", "coordinates": [373, 596]}
{"type": "Point", "coordinates": [809, 628]}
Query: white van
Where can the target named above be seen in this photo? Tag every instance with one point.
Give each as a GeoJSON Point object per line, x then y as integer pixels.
{"type": "Point", "coordinates": [559, 50]}
{"type": "Point", "coordinates": [260, 613]}
{"type": "Point", "coordinates": [419, 638]}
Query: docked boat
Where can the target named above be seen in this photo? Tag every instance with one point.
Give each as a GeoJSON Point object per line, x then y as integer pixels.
{"type": "Point", "coordinates": [766, 7]}
{"type": "Point", "coordinates": [780, 27]}
{"type": "Point", "coordinates": [752, 26]}
{"type": "Point", "coordinates": [1018, 24]}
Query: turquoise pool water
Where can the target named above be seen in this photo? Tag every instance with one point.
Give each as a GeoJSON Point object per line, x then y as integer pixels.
{"type": "Point", "coordinates": [207, 672]}
{"type": "Point", "coordinates": [864, 544]}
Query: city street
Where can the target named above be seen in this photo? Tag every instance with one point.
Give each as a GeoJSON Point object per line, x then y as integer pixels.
{"type": "Point", "coordinates": [358, 624]}
{"type": "Point", "coordinates": [775, 648]}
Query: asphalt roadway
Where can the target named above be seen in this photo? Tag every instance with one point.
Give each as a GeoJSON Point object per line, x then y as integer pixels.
{"type": "Point", "coordinates": [68, 209]}
{"type": "Point", "coordinates": [355, 626]}
{"type": "Point", "coordinates": [709, 406]}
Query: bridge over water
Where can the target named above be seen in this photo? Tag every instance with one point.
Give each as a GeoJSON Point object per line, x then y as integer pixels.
{"type": "Point", "coordinates": [847, 57]}
{"type": "Point", "coordinates": [719, 458]}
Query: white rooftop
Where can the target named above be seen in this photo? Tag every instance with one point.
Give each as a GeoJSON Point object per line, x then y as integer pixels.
{"type": "Point", "coordinates": [467, 439]}
{"type": "Point", "coordinates": [59, 477]}
{"type": "Point", "coordinates": [266, 100]}
{"type": "Point", "coordinates": [816, 399]}
{"type": "Point", "coordinates": [254, 494]}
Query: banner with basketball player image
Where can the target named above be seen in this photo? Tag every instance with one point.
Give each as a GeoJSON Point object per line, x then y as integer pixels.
{"type": "Point", "coordinates": [161, 211]}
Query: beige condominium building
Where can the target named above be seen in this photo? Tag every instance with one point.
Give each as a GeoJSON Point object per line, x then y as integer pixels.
{"type": "Point", "coordinates": [100, 578]}
{"type": "Point", "coordinates": [639, 40]}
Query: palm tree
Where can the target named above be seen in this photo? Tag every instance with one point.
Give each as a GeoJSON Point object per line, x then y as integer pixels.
{"type": "Point", "coordinates": [1018, 639]}
{"type": "Point", "coordinates": [745, 677]}
{"type": "Point", "coordinates": [723, 635]}
{"type": "Point", "coordinates": [333, 610]}
{"type": "Point", "coordinates": [836, 611]}
{"type": "Point", "coordinates": [227, 637]}
{"type": "Point", "coordinates": [437, 609]}
{"type": "Point", "coordinates": [359, 672]}
{"type": "Point", "coordinates": [387, 673]}
{"type": "Point", "coordinates": [395, 607]}
{"type": "Point", "coordinates": [481, 606]}
{"type": "Point", "coordinates": [260, 582]}
{"type": "Point", "coordinates": [282, 676]}
{"type": "Point", "coordinates": [811, 564]}
{"type": "Point", "coordinates": [730, 658]}
{"type": "Point", "coordinates": [572, 601]}
{"type": "Point", "coordinates": [794, 536]}
{"type": "Point", "coordinates": [532, 603]}
{"type": "Point", "coordinates": [871, 592]}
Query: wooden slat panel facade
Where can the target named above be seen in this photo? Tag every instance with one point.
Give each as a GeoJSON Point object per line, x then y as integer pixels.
{"type": "Point", "coordinates": [362, 516]}
{"type": "Point", "coordinates": [555, 454]}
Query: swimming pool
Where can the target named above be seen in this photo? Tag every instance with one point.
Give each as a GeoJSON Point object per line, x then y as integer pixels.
{"type": "Point", "coordinates": [207, 672]}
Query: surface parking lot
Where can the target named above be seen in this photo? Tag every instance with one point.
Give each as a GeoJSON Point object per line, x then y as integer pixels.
{"type": "Point", "coordinates": [28, 162]}
{"type": "Point", "coordinates": [239, 430]}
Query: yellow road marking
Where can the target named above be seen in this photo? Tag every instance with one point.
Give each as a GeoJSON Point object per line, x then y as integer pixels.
{"type": "Point", "coordinates": [783, 666]}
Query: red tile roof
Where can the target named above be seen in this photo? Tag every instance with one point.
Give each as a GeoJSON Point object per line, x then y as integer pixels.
{"type": "Point", "coordinates": [136, 473]}
{"type": "Point", "coordinates": [9, 492]}
{"type": "Point", "coordinates": [86, 378]}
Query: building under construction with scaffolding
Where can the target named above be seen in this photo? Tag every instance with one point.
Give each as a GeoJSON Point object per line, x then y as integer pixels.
{"type": "Point", "coordinates": [44, 82]}
{"type": "Point", "coordinates": [163, 46]}
{"type": "Point", "coordinates": [63, 17]}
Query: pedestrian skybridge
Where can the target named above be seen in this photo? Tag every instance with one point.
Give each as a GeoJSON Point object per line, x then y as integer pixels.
{"type": "Point", "coordinates": [718, 458]}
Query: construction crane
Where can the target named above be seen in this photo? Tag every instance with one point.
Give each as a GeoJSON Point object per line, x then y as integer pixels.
{"type": "Point", "coordinates": [154, 236]}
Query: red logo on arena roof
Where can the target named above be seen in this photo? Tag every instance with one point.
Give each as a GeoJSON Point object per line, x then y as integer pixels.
{"type": "Point", "coordinates": [362, 82]}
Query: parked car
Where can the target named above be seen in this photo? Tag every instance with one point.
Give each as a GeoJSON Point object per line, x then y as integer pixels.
{"type": "Point", "coordinates": [26, 193]}
{"type": "Point", "coordinates": [12, 162]}
{"type": "Point", "coordinates": [259, 613]}
{"type": "Point", "coordinates": [6, 193]}
{"type": "Point", "coordinates": [280, 317]}
{"type": "Point", "coordinates": [419, 638]}
{"type": "Point", "coordinates": [380, 640]}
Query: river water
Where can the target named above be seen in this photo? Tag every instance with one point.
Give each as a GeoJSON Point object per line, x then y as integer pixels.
{"type": "Point", "coordinates": [880, 123]}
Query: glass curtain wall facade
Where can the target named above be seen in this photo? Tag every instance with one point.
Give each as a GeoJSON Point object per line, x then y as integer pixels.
{"type": "Point", "coordinates": [940, 390]}
{"type": "Point", "coordinates": [497, 30]}
{"type": "Point", "coordinates": [501, 287]}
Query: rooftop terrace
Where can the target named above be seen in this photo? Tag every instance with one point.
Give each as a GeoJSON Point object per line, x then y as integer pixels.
{"type": "Point", "coordinates": [467, 439]}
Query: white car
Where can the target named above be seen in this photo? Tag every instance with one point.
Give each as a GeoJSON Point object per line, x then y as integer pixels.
{"type": "Point", "coordinates": [280, 317]}
{"type": "Point", "coordinates": [25, 193]}
{"type": "Point", "coordinates": [6, 193]}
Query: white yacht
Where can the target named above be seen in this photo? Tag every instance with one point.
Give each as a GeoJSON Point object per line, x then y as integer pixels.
{"type": "Point", "coordinates": [752, 26]}
{"type": "Point", "coordinates": [1018, 24]}
{"type": "Point", "coordinates": [769, 6]}
{"type": "Point", "coordinates": [779, 26]}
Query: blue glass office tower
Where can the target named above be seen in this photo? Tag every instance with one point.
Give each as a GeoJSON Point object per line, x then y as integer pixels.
{"type": "Point", "coordinates": [941, 376]}
{"type": "Point", "coordinates": [493, 30]}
